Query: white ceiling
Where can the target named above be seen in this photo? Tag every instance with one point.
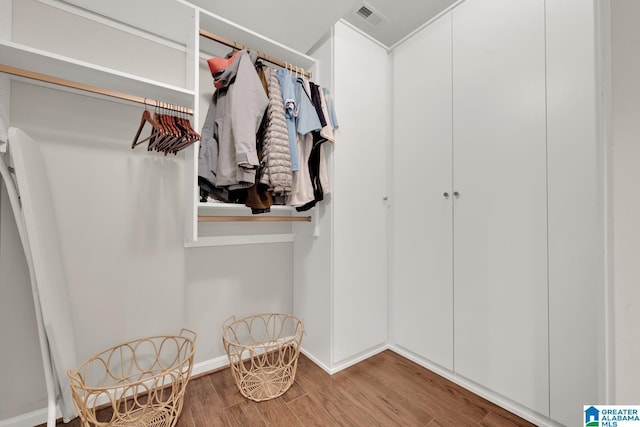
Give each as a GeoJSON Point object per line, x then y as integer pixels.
{"type": "Point", "coordinates": [403, 17]}
{"type": "Point", "coordinates": [299, 24]}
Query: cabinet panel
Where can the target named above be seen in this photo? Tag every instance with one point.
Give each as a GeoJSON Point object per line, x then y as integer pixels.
{"type": "Point", "coordinates": [576, 209]}
{"type": "Point", "coordinates": [422, 265]}
{"type": "Point", "coordinates": [500, 220]}
{"type": "Point", "coordinates": [358, 191]}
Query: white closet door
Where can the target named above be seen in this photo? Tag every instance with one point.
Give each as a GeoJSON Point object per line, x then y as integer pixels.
{"type": "Point", "coordinates": [422, 267]}
{"type": "Point", "coordinates": [500, 227]}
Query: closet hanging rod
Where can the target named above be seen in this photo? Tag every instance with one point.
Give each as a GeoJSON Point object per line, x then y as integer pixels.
{"type": "Point", "coordinates": [261, 55]}
{"type": "Point", "coordinates": [93, 89]}
{"type": "Point", "coordinates": [254, 218]}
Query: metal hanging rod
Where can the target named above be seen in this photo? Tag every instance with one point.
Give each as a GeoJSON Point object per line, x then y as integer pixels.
{"type": "Point", "coordinates": [254, 218]}
{"type": "Point", "coordinates": [93, 89]}
{"type": "Point", "coordinates": [261, 55]}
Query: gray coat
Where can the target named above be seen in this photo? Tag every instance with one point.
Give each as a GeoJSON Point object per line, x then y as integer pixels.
{"type": "Point", "coordinates": [227, 156]}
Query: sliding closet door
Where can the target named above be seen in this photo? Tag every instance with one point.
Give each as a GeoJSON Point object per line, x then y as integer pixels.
{"type": "Point", "coordinates": [500, 228]}
{"type": "Point", "coordinates": [421, 283]}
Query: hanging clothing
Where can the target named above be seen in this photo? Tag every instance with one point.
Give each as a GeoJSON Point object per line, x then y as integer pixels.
{"type": "Point", "coordinates": [330, 108]}
{"type": "Point", "coordinates": [327, 130]}
{"type": "Point", "coordinates": [306, 122]}
{"type": "Point", "coordinates": [302, 187]}
{"type": "Point", "coordinates": [314, 91]}
{"type": "Point", "coordinates": [291, 112]}
{"type": "Point", "coordinates": [228, 157]}
{"type": "Point", "coordinates": [328, 133]}
{"type": "Point", "coordinates": [313, 161]}
{"type": "Point", "coordinates": [276, 172]}
{"type": "Point", "coordinates": [317, 163]}
{"type": "Point", "coordinates": [307, 119]}
{"type": "Point", "coordinates": [324, 174]}
{"type": "Point", "coordinates": [258, 195]}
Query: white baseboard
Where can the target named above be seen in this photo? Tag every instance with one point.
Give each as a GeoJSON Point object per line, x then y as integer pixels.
{"type": "Point", "coordinates": [511, 406]}
{"type": "Point", "coordinates": [210, 365]}
{"type": "Point", "coordinates": [347, 362]}
{"type": "Point", "coordinates": [29, 419]}
{"type": "Point", "coordinates": [317, 361]}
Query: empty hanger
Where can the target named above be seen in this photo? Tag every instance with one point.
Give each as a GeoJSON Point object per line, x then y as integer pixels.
{"type": "Point", "coordinates": [146, 118]}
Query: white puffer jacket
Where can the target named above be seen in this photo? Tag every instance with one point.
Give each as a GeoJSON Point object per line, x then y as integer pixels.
{"type": "Point", "coordinates": [276, 157]}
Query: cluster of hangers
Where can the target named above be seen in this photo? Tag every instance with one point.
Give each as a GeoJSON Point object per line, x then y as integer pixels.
{"type": "Point", "coordinates": [298, 71]}
{"type": "Point", "coordinates": [170, 132]}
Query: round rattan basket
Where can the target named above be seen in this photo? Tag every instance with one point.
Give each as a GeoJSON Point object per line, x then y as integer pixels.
{"type": "Point", "coordinates": [263, 353]}
{"type": "Point", "coordinates": [140, 383]}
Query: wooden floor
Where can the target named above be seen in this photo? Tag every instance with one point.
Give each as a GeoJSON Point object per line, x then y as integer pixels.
{"type": "Point", "coordinates": [384, 390]}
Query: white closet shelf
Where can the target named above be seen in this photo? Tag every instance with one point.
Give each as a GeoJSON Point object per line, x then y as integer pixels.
{"type": "Point", "coordinates": [165, 18]}
{"type": "Point", "coordinates": [40, 61]}
{"type": "Point", "coordinates": [216, 24]}
{"type": "Point", "coordinates": [254, 239]}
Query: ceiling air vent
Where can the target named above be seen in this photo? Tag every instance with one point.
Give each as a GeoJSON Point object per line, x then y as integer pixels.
{"type": "Point", "coordinates": [370, 15]}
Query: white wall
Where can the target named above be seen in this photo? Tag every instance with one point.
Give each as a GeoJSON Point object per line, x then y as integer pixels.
{"type": "Point", "coordinates": [23, 385]}
{"type": "Point", "coordinates": [626, 197]}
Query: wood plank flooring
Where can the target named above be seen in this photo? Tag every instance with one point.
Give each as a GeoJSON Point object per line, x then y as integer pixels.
{"type": "Point", "coordinates": [384, 390]}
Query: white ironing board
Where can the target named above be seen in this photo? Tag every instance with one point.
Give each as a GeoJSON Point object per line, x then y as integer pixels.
{"type": "Point", "coordinates": [32, 206]}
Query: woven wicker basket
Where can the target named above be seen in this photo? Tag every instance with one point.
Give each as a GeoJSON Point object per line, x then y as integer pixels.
{"type": "Point", "coordinates": [140, 383]}
{"type": "Point", "coordinates": [263, 353]}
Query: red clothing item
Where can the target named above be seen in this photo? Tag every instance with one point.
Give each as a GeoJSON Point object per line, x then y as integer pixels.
{"type": "Point", "coordinates": [217, 65]}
